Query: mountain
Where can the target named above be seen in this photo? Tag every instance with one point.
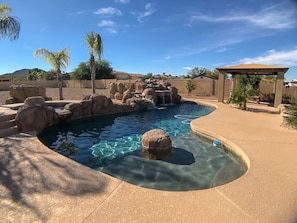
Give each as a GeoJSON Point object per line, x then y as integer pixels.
{"type": "Point", "coordinates": [17, 74]}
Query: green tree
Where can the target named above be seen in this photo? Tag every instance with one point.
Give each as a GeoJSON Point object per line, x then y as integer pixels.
{"type": "Point", "coordinates": [82, 72]}
{"type": "Point", "coordinates": [103, 71]}
{"type": "Point", "coordinates": [36, 74]}
{"type": "Point", "coordinates": [212, 74]}
{"type": "Point", "coordinates": [147, 76]}
{"type": "Point", "coordinates": [268, 78]}
{"type": "Point", "coordinates": [58, 60]}
{"type": "Point", "coordinates": [32, 76]}
{"type": "Point", "coordinates": [197, 72]}
{"type": "Point", "coordinates": [190, 86]}
{"type": "Point", "coordinates": [95, 45]}
{"type": "Point", "coordinates": [9, 26]}
{"type": "Point", "coordinates": [50, 75]}
{"type": "Point", "coordinates": [246, 86]}
{"type": "Point", "coordinates": [66, 76]}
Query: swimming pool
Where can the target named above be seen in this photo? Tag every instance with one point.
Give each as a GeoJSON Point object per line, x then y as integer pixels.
{"type": "Point", "coordinates": [112, 144]}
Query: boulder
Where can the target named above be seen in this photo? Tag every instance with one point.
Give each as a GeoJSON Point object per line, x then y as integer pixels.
{"type": "Point", "coordinates": [86, 107]}
{"type": "Point", "coordinates": [10, 100]}
{"type": "Point", "coordinates": [140, 85]}
{"type": "Point", "coordinates": [35, 115]}
{"type": "Point", "coordinates": [121, 87]}
{"type": "Point", "coordinates": [127, 94]}
{"type": "Point", "coordinates": [137, 104]}
{"type": "Point", "coordinates": [75, 109]}
{"type": "Point", "coordinates": [102, 105]}
{"type": "Point", "coordinates": [156, 144]}
{"type": "Point", "coordinates": [21, 92]}
{"type": "Point", "coordinates": [91, 105]}
{"type": "Point", "coordinates": [118, 96]}
{"type": "Point", "coordinates": [150, 94]}
{"type": "Point", "coordinates": [113, 88]}
{"type": "Point", "coordinates": [123, 108]}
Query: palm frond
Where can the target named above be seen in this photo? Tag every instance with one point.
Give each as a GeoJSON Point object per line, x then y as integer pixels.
{"type": "Point", "coordinates": [58, 60]}
{"type": "Point", "coordinates": [95, 44]}
{"type": "Point", "coordinates": [10, 27]}
{"type": "Point", "coordinates": [4, 10]}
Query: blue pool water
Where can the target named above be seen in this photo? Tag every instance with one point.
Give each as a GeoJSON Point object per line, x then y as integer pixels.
{"type": "Point", "coordinates": [112, 144]}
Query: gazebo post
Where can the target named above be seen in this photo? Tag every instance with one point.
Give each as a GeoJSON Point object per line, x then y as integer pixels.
{"type": "Point", "coordinates": [221, 87]}
{"type": "Point", "coordinates": [232, 85]}
{"type": "Point", "coordinates": [279, 89]}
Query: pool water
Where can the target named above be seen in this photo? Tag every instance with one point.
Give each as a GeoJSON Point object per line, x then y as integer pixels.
{"type": "Point", "coordinates": [112, 144]}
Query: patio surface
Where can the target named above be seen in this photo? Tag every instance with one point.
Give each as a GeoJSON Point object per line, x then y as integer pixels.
{"type": "Point", "coordinates": [39, 185]}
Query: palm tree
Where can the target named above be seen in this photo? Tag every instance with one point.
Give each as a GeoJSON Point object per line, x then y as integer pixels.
{"type": "Point", "coordinates": [9, 26]}
{"type": "Point", "coordinates": [95, 45]}
{"type": "Point", "coordinates": [58, 60]}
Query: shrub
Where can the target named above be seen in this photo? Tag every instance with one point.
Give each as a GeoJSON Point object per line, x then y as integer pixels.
{"type": "Point", "coordinates": [246, 85]}
{"type": "Point", "coordinates": [190, 86]}
{"type": "Point", "coordinates": [292, 116]}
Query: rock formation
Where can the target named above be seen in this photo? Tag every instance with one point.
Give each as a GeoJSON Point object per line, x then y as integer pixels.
{"type": "Point", "coordinates": [19, 93]}
{"type": "Point", "coordinates": [35, 115]}
{"type": "Point", "coordinates": [150, 90]}
{"type": "Point", "coordinates": [156, 144]}
{"type": "Point", "coordinates": [117, 89]}
{"type": "Point", "coordinates": [91, 105]}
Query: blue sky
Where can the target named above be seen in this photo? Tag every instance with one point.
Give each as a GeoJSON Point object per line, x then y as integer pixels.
{"type": "Point", "coordinates": [141, 36]}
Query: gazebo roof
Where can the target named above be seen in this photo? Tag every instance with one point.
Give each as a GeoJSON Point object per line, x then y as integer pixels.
{"type": "Point", "coordinates": [260, 69]}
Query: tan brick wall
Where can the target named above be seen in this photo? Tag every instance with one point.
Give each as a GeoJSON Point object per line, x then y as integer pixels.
{"type": "Point", "coordinates": [4, 86]}
{"type": "Point", "coordinates": [203, 87]}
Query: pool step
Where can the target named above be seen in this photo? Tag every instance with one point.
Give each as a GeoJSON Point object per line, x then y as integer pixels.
{"type": "Point", "coordinates": [7, 125]}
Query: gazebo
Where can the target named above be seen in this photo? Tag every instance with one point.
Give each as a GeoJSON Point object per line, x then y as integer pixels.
{"type": "Point", "coordinates": [255, 69]}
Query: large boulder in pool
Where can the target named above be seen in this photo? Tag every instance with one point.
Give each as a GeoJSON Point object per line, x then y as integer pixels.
{"type": "Point", "coordinates": [156, 144]}
{"type": "Point", "coordinates": [35, 115]}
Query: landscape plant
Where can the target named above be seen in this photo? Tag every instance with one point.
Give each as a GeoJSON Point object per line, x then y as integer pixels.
{"type": "Point", "coordinates": [291, 119]}
{"type": "Point", "coordinates": [246, 86]}
{"type": "Point", "coordinates": [95, 46]}
{"type": "Point", "coordinates": [9, 26]}
{"type": "Point", "coordinates": [190, 86]}
{"type": "Point", "coordinates": [58, 61]}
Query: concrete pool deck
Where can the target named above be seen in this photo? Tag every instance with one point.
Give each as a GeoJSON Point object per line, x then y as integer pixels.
{"type": "Point", "coordinates": [39, 185]}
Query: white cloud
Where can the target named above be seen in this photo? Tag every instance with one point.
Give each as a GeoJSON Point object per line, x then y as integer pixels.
{"type": "Point", "coordinates": [111, 30]}
{"type": "Point", "coordinates": [273, 57]}
{"type": "Point", "coordinates": [187, 68]}
{"type": "Point", "coordinates": [274, 17]}
{"type": "Point", "coordinates": [123, 1]}
{"type": "Point", "coordinates": [106, 23]}
{"type": "Point", "coordinates": [149, 10]}
{"type": "Point", "coordinates": [108, 11]}
{"type": "Point", "coordinates": [78, 13]}
{"type": "Point", "coordinates": [224, 49]}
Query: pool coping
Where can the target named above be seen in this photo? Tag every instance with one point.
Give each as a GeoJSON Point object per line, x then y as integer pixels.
{"type": "Point", "coordinates": [266, 193]}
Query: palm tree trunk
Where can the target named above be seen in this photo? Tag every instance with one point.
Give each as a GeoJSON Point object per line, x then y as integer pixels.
{"type": "Point", "coordinates": [93, 73]}
{"type": "Point", "coordinates": [60, 84]}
